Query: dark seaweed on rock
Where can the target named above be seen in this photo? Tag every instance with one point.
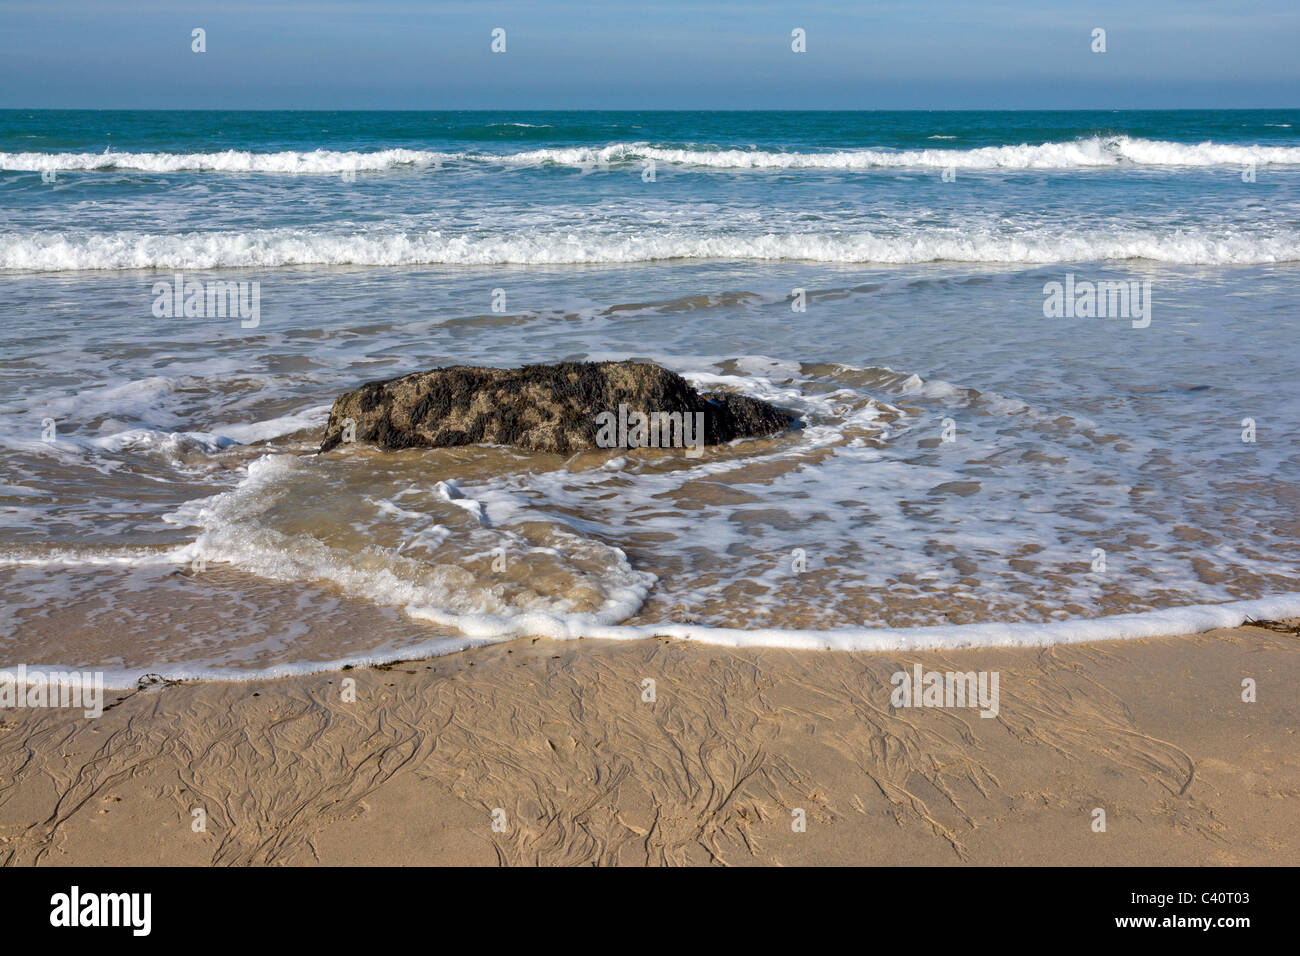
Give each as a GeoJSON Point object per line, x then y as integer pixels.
{"type": "Point", "coordinates": [548, 408]}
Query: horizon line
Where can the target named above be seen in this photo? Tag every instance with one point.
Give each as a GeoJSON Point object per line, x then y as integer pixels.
{"type": "Point", "coordinates": [657, 109]}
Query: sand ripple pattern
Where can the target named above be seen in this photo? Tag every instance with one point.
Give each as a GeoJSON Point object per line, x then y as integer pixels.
{"type": "Point", "coordinates": [589, 774]}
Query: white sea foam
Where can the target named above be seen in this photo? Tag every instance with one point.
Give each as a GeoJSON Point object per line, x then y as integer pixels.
{"type": "Point", "coordinates": [483, 629]}
{"type": "Point", "coordinates": [85, 557]}
{"type": "Point", "coordinates": [267, 248]}
{"type": "Point", "coordinates": [318, 161]}
{"type": "Point", "coordinates": [212, 441]}
{"type": "Point", "coordinates": [252, 432]}
{"type": "Point", "coordinates": [1090, 153]}
{"type": "Point", "coordinates": [246, 527]}
{"type": "Point", "coordinates": [170, 443]}
{"type": "Point", "coordinates": [1169, 622]}
{"type": "Point", "coordinates": [1085, 153]}
{"type": "Point", "coordinates": [161, 401]}
{"type": "Point", "coordinates": [235, 533]}
{"type": "Point", "coordinates": [450, 492]}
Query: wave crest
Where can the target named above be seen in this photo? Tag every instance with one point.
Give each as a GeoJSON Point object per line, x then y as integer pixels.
{"type": "Point", "coordinates": [319, 161]}
{"type": "Point", "coordinates": [269, 248]}
{"type": "Point", "coordinates": [1087, 153]}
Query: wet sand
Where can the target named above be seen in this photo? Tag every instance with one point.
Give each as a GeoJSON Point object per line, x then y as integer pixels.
{"type": "Point", "coordinates": [556, 743]}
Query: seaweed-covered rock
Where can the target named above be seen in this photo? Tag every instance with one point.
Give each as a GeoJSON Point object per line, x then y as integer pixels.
{"type": "Point", "coordinates": [563, 408]}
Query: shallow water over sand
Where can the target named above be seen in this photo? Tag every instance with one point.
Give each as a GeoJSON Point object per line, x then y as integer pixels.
{"type": "Point", "coordinates": [145, 538]}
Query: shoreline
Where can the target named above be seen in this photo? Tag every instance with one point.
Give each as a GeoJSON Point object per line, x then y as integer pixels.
{"type": "Point", "coordinates": [558, 737]}
{"type": "Point", "coordinates": [1181, 621]}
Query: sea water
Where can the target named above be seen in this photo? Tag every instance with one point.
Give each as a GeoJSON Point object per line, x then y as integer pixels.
{"type": "Point", "coordinates": [973, 466]}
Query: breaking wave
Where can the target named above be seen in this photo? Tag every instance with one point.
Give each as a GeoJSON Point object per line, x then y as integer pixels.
{"type": "Point", "coordinates": [1087, 153]}
{"type": "Point", "coordinates": [267, 248]}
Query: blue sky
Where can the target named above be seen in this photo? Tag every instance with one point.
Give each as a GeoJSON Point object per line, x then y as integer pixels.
{"type": "Point", "coordinates": [669, 54]}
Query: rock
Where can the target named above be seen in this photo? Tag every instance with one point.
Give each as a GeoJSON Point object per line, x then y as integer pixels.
{"type": "Point", "coordinates": [548, 408]}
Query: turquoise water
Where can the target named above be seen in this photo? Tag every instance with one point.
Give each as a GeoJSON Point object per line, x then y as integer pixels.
{"type": "Point", "coordinates": [210, 130]}
{"type": "Point", "coordinates": [882, 274]}
{"type": "Point", "coordinates": [138, 190]}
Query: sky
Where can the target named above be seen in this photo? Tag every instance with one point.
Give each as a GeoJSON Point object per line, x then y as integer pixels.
{"type": "Point", "coordinates": [667, 54]}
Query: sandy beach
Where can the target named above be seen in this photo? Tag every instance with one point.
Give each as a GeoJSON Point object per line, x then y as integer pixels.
{"type": "Point", "coordinates": [652, 486]}
{"type": "Point", "coordinates": [544, 752]}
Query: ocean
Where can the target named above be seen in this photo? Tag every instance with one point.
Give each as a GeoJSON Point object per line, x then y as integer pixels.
{"type": "Point", "coordinates": [1044, 364]}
